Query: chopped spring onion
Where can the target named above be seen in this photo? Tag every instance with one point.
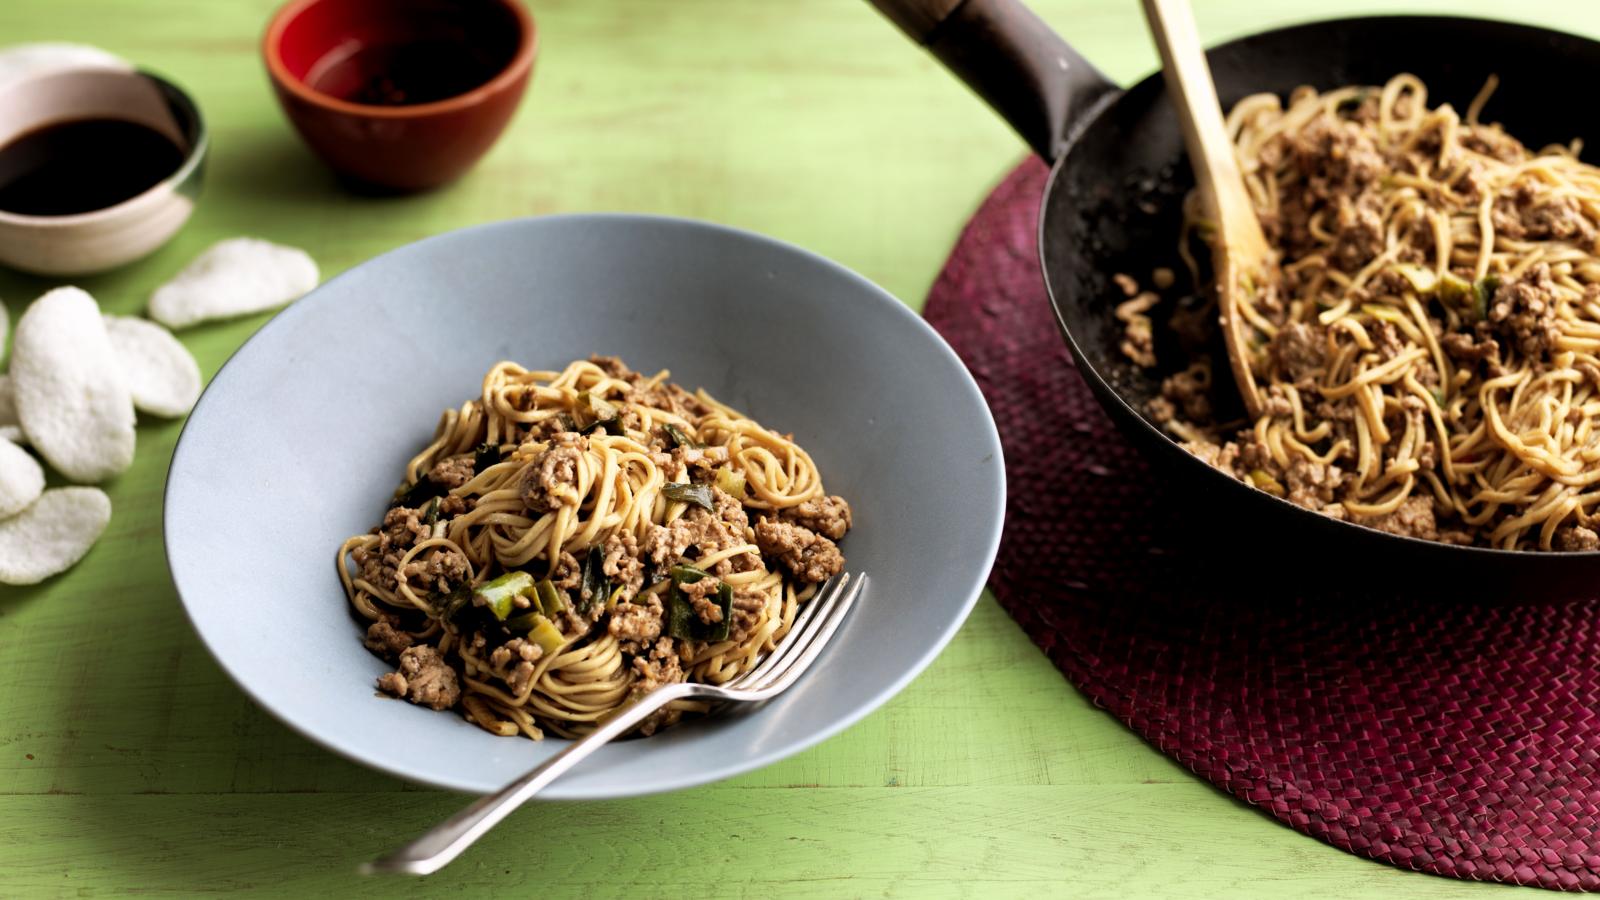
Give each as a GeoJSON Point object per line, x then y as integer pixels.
{"type": "Point", "coordinates": [1453, 288]}
{"type": "Point", "coordinates": [731, 483]}
{"type": "Point", "coordinates": [448, 606]}
{"type": "Point", "coordinates": [551, 599]}
{"type": "Point", "coordinates": [597, 412]}
{"type": "Point", "coordinates": [1482, 292]}
{"type": "Point", "coordinates": [616, 596]}
{"type": "Point", "coordinates": [1264, 480]}
{"type": "Point", "coordinates": [679, 439]}
{"type": "Point", "coordinates": [539, 630]}
{"type": "Point", "coordinates": [484, 456]}
{"type": "Point", "coordinates": [499, 595]}
{"type": "Point", "coordinates": [681, 619]}
{"type": "Point", "coordinates": [431, 517]}
{"type": "Point", "coordinates": [1422, 280]}
{"type": "Point", "coordinates": [698, 494]}
{"type": "Point", "coordinates": [413, 495]}
{"type": "Point", "coordinates": [593, 587]}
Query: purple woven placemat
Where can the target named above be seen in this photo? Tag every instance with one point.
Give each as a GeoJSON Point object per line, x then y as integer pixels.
{"type": "Point", "coordinates": [1460, 740]}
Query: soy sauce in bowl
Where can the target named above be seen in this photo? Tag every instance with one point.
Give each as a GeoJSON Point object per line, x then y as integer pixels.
{"type": "Point", "coordinates": [81, 165]}
{"type": "Point", "coordinates": [405, 74]}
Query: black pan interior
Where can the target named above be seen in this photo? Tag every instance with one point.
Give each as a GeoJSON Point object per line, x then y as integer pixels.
{"type": "Point", "coordinates": [1115, 197]}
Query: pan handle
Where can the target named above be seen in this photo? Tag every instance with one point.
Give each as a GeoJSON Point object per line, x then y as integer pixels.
{"type": "Point", "coordinates": [1010, 58]}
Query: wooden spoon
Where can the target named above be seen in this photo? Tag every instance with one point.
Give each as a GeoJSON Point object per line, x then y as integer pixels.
{"type": "Point", "coordinates": [1239, 253]}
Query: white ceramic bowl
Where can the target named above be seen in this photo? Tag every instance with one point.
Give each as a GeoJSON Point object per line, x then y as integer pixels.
{"type": "Point", "coordinates": [91, 242]}
{"type": "Point", "coordinates": [298, 441]}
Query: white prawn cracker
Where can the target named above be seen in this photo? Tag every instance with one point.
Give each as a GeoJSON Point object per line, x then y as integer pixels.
{"type": "Point", "coordinates": [235, 277]}
{"type": "Point", "coordinates": [162, 376]}
{"type": "Point", "coordinates": [21, 479]}
{"type": "Point", "coordinates": [50, 536]}
{"type": "Point", "coordinates": [71, 398]}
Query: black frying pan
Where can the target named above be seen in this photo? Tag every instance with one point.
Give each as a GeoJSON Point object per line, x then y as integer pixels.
{"type": "Point", "coordinates": [1113, 205]}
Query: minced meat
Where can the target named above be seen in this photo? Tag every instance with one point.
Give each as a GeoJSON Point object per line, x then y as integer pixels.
{"type": "Point", "coordinates": [621, 563]}
{"type": "Point", "coordinates": [707, 532]}
{"type": "Point", "coordinates": [699, 595]}
{"type": "Point", "coordinates": [386, 640]}
{"type": "Point", "coordinates": [748, 606]}
{"type": "Point", "coordinates": [828, 516]}
{"type": "Point", "coordinates": [1524, 311]}
{"type": "Point", "coordinates": [424, 679]}
{"type": "Point", "coordinates": [452, 471]}
{"type": "Point", "coordinates": [660, 667]}
{"type": "Point", "coordinates": [638, 622]}
{"type": "Point", "coordinates": [440, 570]}
{"type": "Point", "coordinates": [552, 480]}
{"type": "Point", "coordinates": [1414, 518]}
{"type": "Point", "coordinates": [808, 555]}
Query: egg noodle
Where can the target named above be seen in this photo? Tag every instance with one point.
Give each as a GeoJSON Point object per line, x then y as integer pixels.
{"type": "Point", "coordinates": [1429, 347]}
{"type": "Point", "coordinates": [518, 489]}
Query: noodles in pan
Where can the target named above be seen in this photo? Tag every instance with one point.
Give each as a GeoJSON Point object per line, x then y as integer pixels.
{"type": "Point", "coordinates": [572, 540]}
{"type": "Point", "coordinates": [1429, 342]}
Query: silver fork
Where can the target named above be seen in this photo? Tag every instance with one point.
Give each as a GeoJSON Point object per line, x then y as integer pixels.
{"type": "Point", "coordinates": [812, 630]}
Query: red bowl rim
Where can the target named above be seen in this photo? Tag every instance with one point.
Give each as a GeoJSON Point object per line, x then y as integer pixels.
{"type": "Point", "coordinates": [514, 71]}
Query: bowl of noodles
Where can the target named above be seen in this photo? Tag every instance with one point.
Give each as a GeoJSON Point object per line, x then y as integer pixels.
{"type": "Point", "coordinates": [470, 498]}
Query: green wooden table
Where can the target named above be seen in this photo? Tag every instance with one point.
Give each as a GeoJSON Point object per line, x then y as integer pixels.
{"type": "Point", "coordinates": [128, 762]}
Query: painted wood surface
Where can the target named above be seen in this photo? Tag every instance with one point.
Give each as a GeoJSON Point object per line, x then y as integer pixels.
{"type": "Point", "coordinates": [129, 763]}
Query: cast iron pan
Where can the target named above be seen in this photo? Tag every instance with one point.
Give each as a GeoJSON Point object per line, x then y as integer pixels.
{"type": "Point", "coordinates": [1113, 205]}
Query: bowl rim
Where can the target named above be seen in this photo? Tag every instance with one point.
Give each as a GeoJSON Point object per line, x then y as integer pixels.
{"type": "Point", "coordinates": [191, 161]}
{"type": "Point", "coordinates": [513, 72]}
{"type": "Point", "coordinates": [987, 543]}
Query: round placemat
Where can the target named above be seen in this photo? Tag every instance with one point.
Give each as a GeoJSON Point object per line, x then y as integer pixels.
{"type": "Point", "coordinates": [1457, 739]}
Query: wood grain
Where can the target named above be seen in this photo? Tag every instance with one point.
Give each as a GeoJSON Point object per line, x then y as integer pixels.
{"type": "Point", "coordinates": [130, 764]}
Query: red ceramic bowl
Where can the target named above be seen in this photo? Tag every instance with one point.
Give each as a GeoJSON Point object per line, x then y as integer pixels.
{"type": "Point", "coordinates": [400, 94]}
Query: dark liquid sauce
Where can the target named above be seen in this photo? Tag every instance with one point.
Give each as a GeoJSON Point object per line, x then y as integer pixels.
{"type": "Point", "coordinates": [82, 165]}
{"type": "Point", "coordinates": [404, 74]}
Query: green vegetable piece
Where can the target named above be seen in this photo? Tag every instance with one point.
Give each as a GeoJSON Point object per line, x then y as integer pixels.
{"type": "Point", "coordinates": [484, 456]}
{"type": "Point", "coordinates": [432, 515]}
{"type": "Point", "coordinates": [681, 619]}
{"type": "Point", "coordinates": [1482, 293]}
{"type": "Point", "coordinates": [596, 410]}
{"type": "Point", "coordinates": [719, 631]}
{"type": "Point", "coordinates": [731, 483]}
{"type": "Point", "coordinates": [539, 630]}
{"type": "Point", "coordinates": [679, 439]}
{"type": "Point", "coordinates": [551, 600]}
{"type": "Point", "coordinates": [498, 596]}
{"type": "Point", "coordinates": [698, 494]}
{"type": "Point", "coordinates": [448, 606]}
{"type": "Point", "coordinates": [595, 586]}
{"type": "Point", "coordinates": [414, 495]}
{"type": "Point", "coordinates": [1421, 279]}
{"type": "Point", "coordinates": [1453, 289]}
{"type": "Point", "coordinates": [680, 615]}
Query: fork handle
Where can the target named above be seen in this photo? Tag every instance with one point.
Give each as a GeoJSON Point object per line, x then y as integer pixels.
{"type": "Point", "coordinates": [445, 841]}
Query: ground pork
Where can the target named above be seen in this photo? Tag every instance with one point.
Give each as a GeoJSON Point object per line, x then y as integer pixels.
{"type": "Point", "coordinates": [637, 623]}
{"type": "Point", "coordinates": [552, 480]}
{"type": "Point", "coordinates": [660, 667]}
{"type": "Point", "coordinates": [699, 595]}
{"type": "Point", "coordinates": [1524, 312]}
{"type": "Point", "coordinates": [1576, 538]}
{"type": "Point", "coordinates": [401, 529]}
{"type": "Point", "coordinates": [748, 606]}
{"type": "Point", "coordinates": [621, 563]}
{"type": "Point", "coordinates": [1360, 231]}
{"type": "Point", "coordinates": [386, 640]}
{"type": "Point", "coordinates": [424, 678]}
{"type": "Point", "coordinates": [828, 516]}
{"type": "Point", "coordinates": [439, 570]}
{"type": "Point", "coordinates": [1470, 348]}
{"type": "Point", "coordinates": [452, 472]}
{"type": "Point", "coordinates": [707, 532]}
{"type": "Point", "coordinates": [1299, 351]}
{"type": "Point", "coordinates": [1414, 518]}
{"type": "Point", "coordinates": [514, 662]}
{"type": "Point", "coordinates": [1525, 212]}
{"type": "Point", "coordinates": [808, 555]}
{"type": "Point", "coordinates": [1313, 484]}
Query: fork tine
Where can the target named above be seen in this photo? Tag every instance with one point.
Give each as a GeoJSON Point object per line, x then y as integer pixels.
{"type": "Point", "coordinates": [827, 623]}
{"type": "Point", "coordinates": [794, 636]}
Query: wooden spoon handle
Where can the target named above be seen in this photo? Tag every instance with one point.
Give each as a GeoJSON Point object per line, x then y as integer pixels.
{"type": "Point", "coordinates": [1240, 253]}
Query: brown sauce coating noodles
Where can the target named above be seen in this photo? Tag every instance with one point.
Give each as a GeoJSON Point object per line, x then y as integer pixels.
{"type": "Point", "coordinates": [1430, 340]}
{"type": "Point", "coordinates": [604, 486]}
